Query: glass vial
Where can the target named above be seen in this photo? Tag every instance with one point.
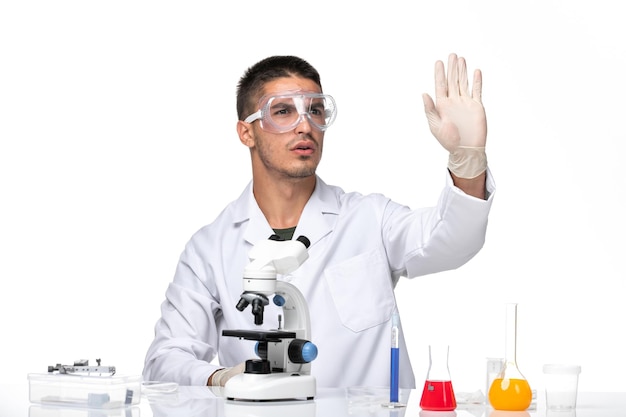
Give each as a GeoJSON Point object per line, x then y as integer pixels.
{"type": "Point", "coordinates": [510, 390]}
{"type": "Point", "coordinates": [438, 394]}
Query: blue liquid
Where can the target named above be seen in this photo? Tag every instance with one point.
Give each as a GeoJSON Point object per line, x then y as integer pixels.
{"type": "Point", "coordinates": [395, 376]}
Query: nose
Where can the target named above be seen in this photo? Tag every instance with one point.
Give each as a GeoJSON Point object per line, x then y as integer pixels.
{"type": "Point", "coordinates": [304, 124]}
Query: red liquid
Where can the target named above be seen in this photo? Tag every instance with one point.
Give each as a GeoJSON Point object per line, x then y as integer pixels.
{"type": "Point", "coordinates": [438, 396]}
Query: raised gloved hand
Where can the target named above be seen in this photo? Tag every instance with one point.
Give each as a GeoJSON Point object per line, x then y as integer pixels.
{"type": "Point", "coordinates": [458, 119]}
{"type": "Point", "coordinates": [221, 376]}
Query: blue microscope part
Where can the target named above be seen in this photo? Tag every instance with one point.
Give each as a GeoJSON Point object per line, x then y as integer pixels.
{"type": "Point", "coordinates": [279, 300]}
{"type": "Point", "coordinates": [309, 352]}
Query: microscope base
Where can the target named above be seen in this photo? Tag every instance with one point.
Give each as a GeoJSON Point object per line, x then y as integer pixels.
{"type": "Point", "coordinates": [267, 387]}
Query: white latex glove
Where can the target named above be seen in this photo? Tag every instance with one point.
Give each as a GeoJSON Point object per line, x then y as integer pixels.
{"type": "Point", "coordinates": [458, 119]}
{"type": "Point", "coordinates": [221, 376]}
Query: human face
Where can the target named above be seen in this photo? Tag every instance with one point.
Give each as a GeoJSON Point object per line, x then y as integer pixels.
{"type": "Point", "coordinates": [291, 154]}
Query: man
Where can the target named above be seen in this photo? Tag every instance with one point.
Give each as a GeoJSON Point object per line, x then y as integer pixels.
{"type": "Point", "coordinates": [360, 245]}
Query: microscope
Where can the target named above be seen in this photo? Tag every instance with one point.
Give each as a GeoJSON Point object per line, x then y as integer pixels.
{"type": "Point", "coordinates": [283, 370]}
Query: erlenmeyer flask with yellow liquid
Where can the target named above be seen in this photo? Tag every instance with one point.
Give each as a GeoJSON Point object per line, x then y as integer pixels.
{"type": "Point", "coordinates": [510, 391]}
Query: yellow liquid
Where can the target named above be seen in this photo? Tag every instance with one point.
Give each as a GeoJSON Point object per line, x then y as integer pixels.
{"type": "Point", "coordinates": [510, 394]}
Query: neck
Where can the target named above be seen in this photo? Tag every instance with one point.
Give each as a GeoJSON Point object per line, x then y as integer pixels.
{"type": "Point", "coordinates": [282, 202]}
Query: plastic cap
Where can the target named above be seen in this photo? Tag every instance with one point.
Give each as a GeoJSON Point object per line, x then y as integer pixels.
{"type": "Point", "coordinates": [395, 319]}
{"type": "Point", "coordinates": [561, 369]}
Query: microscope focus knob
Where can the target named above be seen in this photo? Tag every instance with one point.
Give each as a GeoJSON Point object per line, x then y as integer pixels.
{"type": "Point", "coordinates": [302, 351]}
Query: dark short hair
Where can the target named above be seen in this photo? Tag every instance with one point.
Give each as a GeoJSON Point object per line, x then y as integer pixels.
{"type": "Point", "coordinates": [254, 79]}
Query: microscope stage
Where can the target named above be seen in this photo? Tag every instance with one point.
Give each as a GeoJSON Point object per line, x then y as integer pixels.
{"type": "Point", "coordinates": [260, 335]}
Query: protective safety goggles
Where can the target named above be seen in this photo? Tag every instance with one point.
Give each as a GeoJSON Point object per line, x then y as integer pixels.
{"type": "Point", "coordinates": [283, 112]}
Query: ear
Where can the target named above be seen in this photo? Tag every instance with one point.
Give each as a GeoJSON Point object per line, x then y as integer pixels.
{"type": "Point", "coordinates": [246, 134]}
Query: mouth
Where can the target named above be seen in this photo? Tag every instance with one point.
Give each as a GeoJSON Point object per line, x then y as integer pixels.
{"type": "Point", "coordinates": [304, 148]}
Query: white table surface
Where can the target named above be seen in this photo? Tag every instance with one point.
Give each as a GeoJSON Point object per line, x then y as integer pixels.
{"type": "Point", "coordinates": [202, 401]}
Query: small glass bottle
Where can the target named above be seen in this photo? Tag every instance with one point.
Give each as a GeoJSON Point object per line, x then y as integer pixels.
{"type": "Point", "coordinates": [438, 394]}
{"type": "Point", "coordinates": [510, 390]}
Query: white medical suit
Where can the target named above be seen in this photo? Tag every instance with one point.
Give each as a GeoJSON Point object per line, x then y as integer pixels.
{"type": "Point", "coordinates": [360, 246]}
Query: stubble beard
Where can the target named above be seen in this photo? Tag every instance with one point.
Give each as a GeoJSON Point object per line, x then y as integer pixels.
{"type": "Point", "coordinates": [302, 171]}
{"type": "Point", "coordinates": [296, 171]}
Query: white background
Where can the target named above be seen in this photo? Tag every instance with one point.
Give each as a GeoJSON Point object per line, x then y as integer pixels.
{"type": "Point", "coordinates": [117, 130]}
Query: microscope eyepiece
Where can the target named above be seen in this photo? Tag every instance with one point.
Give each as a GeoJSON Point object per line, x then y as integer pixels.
{"type": "Point", "coordinates": [257, 311]}
{"type": "Point", "coordinates": [242, 304]}
{"type": "Point", "coordinates": [304, 240]}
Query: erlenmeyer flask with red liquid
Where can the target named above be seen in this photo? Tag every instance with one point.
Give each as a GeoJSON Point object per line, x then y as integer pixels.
{"type": "Point", "coordinates": [438, 394]}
